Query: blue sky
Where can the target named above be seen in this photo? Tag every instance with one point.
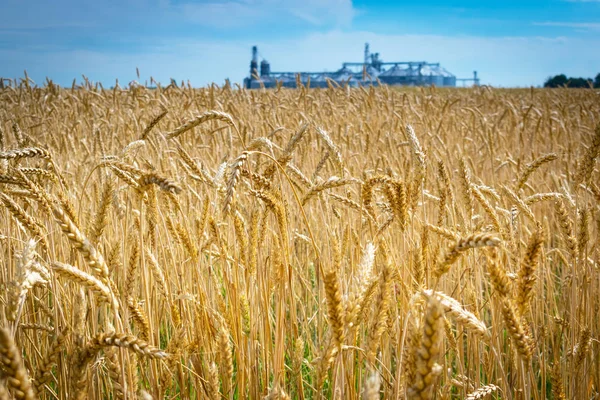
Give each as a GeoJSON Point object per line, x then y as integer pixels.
{"type": "Point", "coordinates": [510, 43]}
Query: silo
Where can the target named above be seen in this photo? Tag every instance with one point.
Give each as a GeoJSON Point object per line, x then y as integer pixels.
{"type": "Point", "coordinates": [395, 76]}
{"type": "Point", "coordinates": [254, 62]}
{"type": "Point", "coordinates": [265, 68]}
{"type": "Point", "coordinates": [318, 81]}
{"type": "Point", "coordinates": [448, 78]}
{"type": "Point", "coordinates": [450, 81]}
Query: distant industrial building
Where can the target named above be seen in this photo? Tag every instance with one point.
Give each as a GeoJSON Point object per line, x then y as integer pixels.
{"type": "Point", "coordinates": [371, 71]}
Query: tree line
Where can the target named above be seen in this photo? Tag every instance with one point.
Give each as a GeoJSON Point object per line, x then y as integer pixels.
{"type": "Point", "coordinates": [572, 82]}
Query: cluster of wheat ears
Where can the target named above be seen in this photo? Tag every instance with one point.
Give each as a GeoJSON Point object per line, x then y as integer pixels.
{"type": "Point", "coordinates": [341, 243]}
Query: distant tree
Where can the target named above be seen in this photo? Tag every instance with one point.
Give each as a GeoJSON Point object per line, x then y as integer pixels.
{"type": "Point", "coordinates": [562, 81]}
{"type": "Point", "coordinates": [556, 81]}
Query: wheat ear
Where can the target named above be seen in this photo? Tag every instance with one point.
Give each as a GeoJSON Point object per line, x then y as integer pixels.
{"type": "Point", "coordinates": [200, 119]}
{"type": "Point", "coordinates": [586, 164]}
{"type": "Point", "coordinates": [34, 228]}
{"type": "Point", "coordinates": [163, 183]}
{"type": "Point", "coordinates": [44, 372]}
{"type": "Point", "coordinates": [83, 245]}
{"type": "Point", "coordinates": [566, 227]}
{"type": "Point", "coordinates": [85, 279]}
{"type": "Point", "coordinates": [482, 392]}
{"type": "Point", "coordinates": [333, 149]}
{"type": "Point", "coordinates": [132, 343]}
{"type": "Point", "coordinates": [470, 242]}
{"type": "Point", "coordinates": [532, 167]}
{"type": "Point", "coordinates": [522, 341]}
{"type": "Point", "coordinates": [527, 276]}
{"type": "Point", "coordinates": [334, 305]}
{"type": "Point", "coordinates": [14, 370]}
{"type": "Point", "coordinates": [234, 176]}
{"type": "Point", "coordinates": [330, 183]}
{"type": "Point", "coordinates": [152, 124]}
{"type": "Point", "coordinates": [101, 217]}
{"type": "Point", "coordinates": [498, 277]}
{"type": "Point", "coordinates": [427, 368]}
{"type": "Point", "coordinates": [367, 191]}
{"type": "Point", "coordinates": [28, 152]}
{"type": "Point", "coordinates": [464, 317]}
{"type": "Point", "coordinates": [225, 357]}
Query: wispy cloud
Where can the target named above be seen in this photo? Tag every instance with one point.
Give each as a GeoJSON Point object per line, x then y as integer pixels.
{"type": "Point", "coordinates": [236, 13]}
{"type": "Point", "coordinates": [590, 26]}
{"type": "Point", "coordinates": [42, 27]}
{"type": "Point", "coordinates": [226, 14]}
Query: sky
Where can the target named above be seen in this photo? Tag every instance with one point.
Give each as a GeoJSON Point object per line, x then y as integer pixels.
{"type": "Point", "coordinates": [510, 43]}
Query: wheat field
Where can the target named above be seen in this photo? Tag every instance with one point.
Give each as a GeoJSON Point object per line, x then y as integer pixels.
{"type": "Point", "coordinates": [343, 243]}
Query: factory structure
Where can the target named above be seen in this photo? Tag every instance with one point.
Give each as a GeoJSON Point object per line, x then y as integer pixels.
{"type": "Point", "coordinates": [372, 71]}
